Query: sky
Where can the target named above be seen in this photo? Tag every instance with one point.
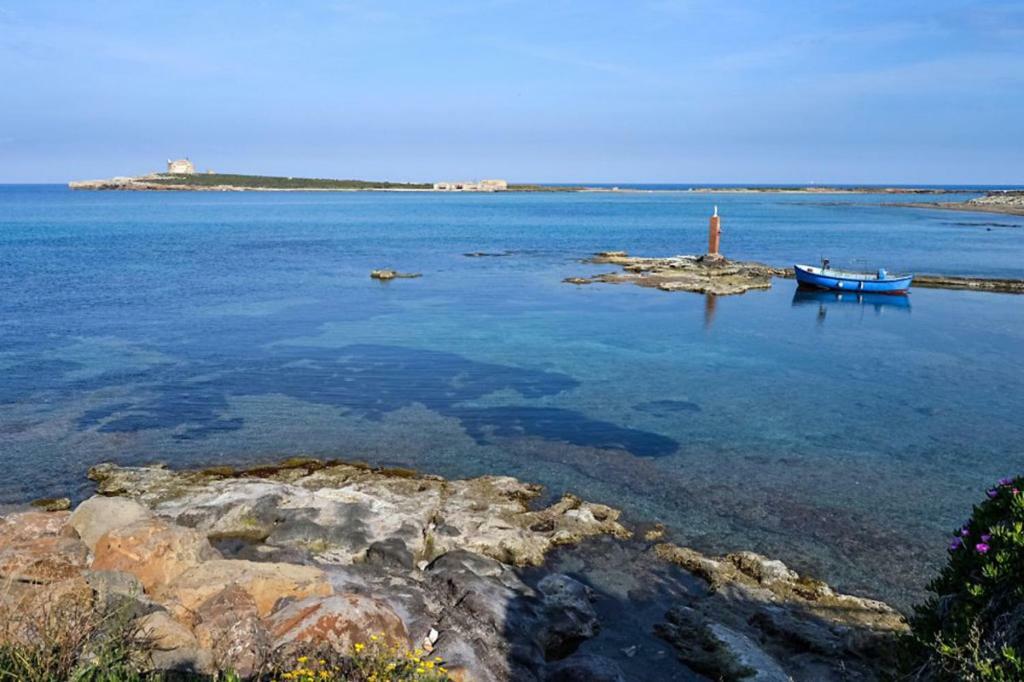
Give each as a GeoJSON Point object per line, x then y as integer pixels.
{"type": "Point", "coordinates": [901, 91]}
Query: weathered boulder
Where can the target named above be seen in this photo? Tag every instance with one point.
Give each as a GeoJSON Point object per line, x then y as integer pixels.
{"type": "Point", "coordinates": [490, 619]}
{"type": "Point", "coordinates": [96, 516]}
{"type": "Point", "coordinates": [119, 592]}
{"type": "Point", "coordinates": [229, 625]}
{"type": "Point", "coordinates": [172, 646]}
{"type": "Point", "coordinates": [390, 552]}
{"type": "Point", "coordinates": [339, 621]}
{"type": "Point", "coordinates": [35, 547]}
{"type": "Point", "coordinates": [700, 647]}
{"type": "Point", "coordinates": [568, 617]}
{"type": "Point", "coordinates": [266, 583]}
{"type": "Point", "coordinates": [153, 550]}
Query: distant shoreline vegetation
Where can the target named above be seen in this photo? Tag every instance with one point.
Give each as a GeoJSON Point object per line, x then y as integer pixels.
{"type": "Point", "coordinates": [274, 182]}
{"type": "Point", "coordinates": [239, 182]}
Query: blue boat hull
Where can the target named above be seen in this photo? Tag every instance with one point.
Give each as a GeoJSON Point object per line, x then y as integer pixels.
{"type": "Point", "coordinates": [835, 280]}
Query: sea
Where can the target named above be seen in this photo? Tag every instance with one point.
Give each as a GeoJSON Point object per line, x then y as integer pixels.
{"type": "Point", "coordinates": [845, 436]}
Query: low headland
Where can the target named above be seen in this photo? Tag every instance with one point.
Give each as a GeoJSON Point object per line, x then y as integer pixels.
{"type": "Point", "coordinates": [1006, 202]}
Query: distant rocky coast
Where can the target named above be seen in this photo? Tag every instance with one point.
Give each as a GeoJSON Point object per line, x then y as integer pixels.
{"type": "Point", "coordinates": [222, 566]}
{"type": "Point", "coordinates": [1009, 202]}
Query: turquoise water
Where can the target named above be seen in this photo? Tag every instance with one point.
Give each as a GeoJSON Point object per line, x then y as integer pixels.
{"type": "Point", "coordinates": [203, 328]}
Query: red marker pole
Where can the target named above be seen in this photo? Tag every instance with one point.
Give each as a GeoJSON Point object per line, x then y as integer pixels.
{"type": "Point", "coordinates": [714, 233]}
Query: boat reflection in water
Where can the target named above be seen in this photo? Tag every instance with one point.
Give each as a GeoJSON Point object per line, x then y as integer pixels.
{"type": "Point", "coordinates": [824, 299]}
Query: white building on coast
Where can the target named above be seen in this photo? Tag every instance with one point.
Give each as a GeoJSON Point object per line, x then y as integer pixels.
{"type": "Point", "coordinates": [481, 186]}
{"type": "Point", "coordinates": [180, 167]}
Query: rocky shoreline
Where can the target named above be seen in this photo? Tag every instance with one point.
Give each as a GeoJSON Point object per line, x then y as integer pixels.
{"type": "Point", "coordinates": [718, 276]}
{"type": "Point", "coordinates": [1008, 202]}
{"type": "Point", "coordinates": [222, 566]}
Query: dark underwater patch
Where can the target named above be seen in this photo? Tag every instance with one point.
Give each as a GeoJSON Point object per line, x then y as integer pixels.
{"type": "Point", "coordinates": [370, 381]}
{"type": "Point", "coordinates": [667, 407]}
{"type": "Point", "coordinates": [560, 425]}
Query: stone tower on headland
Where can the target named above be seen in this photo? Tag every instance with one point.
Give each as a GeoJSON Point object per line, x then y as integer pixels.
{"type": "Point", "coordinates": [180, 167]}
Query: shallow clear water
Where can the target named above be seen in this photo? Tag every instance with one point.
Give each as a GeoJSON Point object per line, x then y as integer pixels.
{"type": "Point", "coordinates": [199, 328]}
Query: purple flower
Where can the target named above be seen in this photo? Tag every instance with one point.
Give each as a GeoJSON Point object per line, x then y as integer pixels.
{"type": "Point", "coordinates": [1005, 481]}
{"type": "Point", "coordinates": [986, 537]}
{"type": "Point", "coordinates": [955, 544]}
{"type": "Point", "coordinates": [981, 547]}
{"type": "Point", "coordinates": [965, 531]}
{"type": "Point", "coordinates": [992, 493]}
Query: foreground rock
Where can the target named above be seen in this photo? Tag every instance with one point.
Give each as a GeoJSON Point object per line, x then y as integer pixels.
{"type": "Point", "coordinates": [231, 567]}
{"type": "Point", "coordinates": [336, 512]}
{"type": "Point", "coordinates": [705, 274]}
{"type": "Point", "coordinates": [762, 616]}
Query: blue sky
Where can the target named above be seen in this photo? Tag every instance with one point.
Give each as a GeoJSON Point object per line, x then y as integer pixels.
{"type": "Point", "coordinates": [665, 90]}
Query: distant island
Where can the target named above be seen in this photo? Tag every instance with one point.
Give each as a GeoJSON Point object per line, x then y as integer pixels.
{"type": "Point", "coordinates": [222, 182]}
{"type": "Point", "coordinates": [181, 175]}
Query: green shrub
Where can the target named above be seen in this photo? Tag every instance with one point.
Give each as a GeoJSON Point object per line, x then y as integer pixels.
{"type": "Point", "coordinates": [973, 628]}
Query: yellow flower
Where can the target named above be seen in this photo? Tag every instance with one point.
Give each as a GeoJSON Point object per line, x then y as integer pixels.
{"type": "Point", "coordinates": [428, 665]}
{"type": "Point", "coordinates": [420, 671]}
{"type": "Point", "coordinates": [302, 659]}
{"type": "Point", "coordinates": [359, 646]}
{"type": "Point", "coordinates": [374, 638]}
{"type": "Point", "coordinates": [324, 674]}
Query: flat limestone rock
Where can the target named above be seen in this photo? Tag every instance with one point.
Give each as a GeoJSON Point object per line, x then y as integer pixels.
{"type": "Point", "coordinates": [707, 274]}
{"type": "Point", "coordinates": [336, 511]}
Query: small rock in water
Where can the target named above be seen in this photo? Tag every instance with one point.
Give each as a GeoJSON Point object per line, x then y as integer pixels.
{"type": "Point", "coordinates": [388, 274]}
{"type": "Point", "coordinates": [52, 504]}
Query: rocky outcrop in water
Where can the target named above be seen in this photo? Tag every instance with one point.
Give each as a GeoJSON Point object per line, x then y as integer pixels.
{"type": "Point", "coordinates": [388, 274]}
{"type": "Point", "coordinates": [225, 566]}
{"type": "Point", "coordinates": [707, 274]}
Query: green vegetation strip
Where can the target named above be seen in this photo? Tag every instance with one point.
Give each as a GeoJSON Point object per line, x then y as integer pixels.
{"type": "Point", "coordinates": [272, 182]}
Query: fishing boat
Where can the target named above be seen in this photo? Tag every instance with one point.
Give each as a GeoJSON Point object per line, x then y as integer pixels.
{"type": "Point", "coordinates": [825, 277]}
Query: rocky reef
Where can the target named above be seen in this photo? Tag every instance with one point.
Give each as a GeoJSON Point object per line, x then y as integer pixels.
{"type": "Point", "coordinates": [221, 566]}
{"type": "Point", "coordinates": [707, 274]}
